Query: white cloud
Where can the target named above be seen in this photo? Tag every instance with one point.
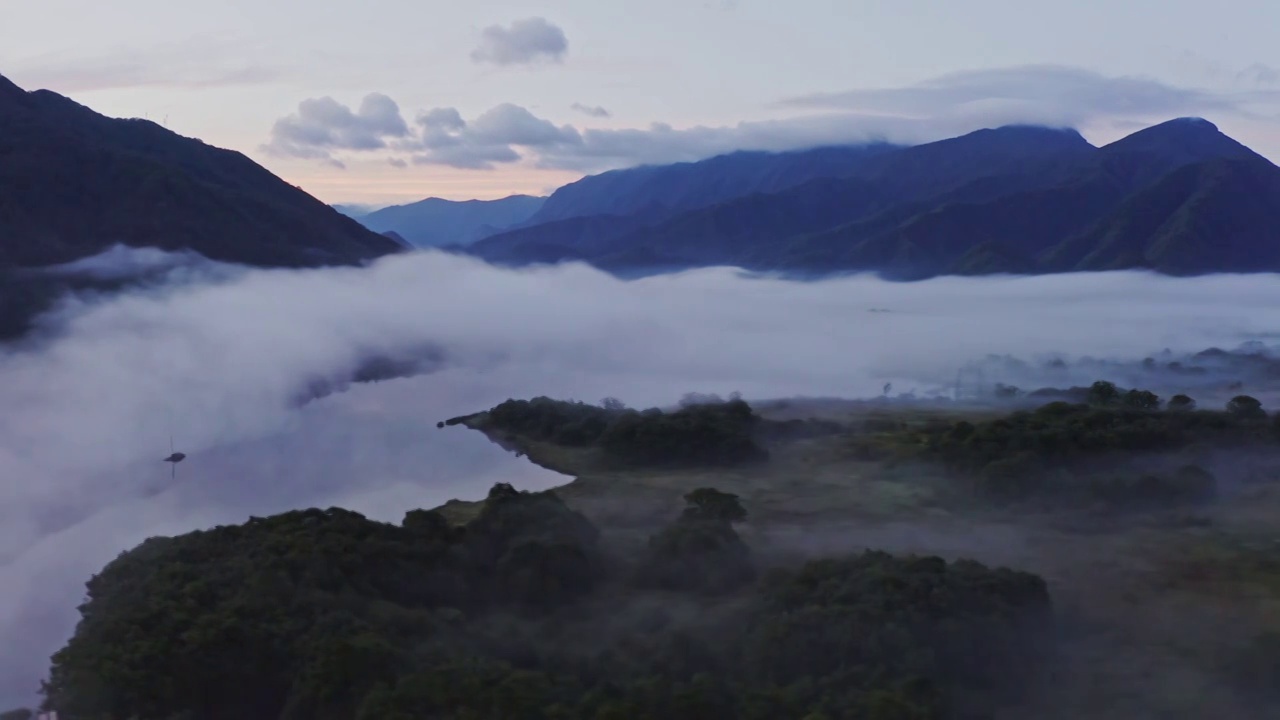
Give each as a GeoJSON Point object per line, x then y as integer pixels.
{"type": "Point", "coordinates": [523, 42]}
{"type": "Point", "coordinates": [217, 358]}
{"type": "Point", "coordinates": [1260, 74]}
{"type": "Point", "coordinates": [447, 139]}
{"type": "Point", "coordinates": [322, 125]}
{"type": "Point", "coordinates": [1046, 93]}
{"type": "Point", "coordinates": [943, 107]}
{"type": "Point", "coordinates": [590, 110]}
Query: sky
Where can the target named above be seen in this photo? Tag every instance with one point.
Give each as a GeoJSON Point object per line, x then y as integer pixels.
{"type": "Point", "coordinates": [91, 409]}
{"type": "Point", "coordinates": [387, 101]}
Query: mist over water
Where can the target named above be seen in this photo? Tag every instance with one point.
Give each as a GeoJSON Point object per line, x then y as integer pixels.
{"type": "Point", "coordinates": [217, 357]}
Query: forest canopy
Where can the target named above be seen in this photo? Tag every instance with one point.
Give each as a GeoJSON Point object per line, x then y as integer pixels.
{"type": "Point", "coordinates": [703, 432]}
{"type": "Point", "coordinates": [524, 613]}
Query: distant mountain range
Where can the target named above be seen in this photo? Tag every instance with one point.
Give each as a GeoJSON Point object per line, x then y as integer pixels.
{"type": "Point", "coordinates": [1179, 198]}
{"type": "Point", "coordinates": [435, 222]}
{"type": "Point", "coordinates": [74, 183]}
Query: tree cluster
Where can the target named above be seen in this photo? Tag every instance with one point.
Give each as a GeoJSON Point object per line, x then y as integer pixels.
{"type": "Point", "coordinates": [700, 551]}
{"type": "Point", "coordinates": [522, 614]}
{"type": "Point", "coordinates": [699, 434]}
{"type": "Point", "coordinates": [1085, 449]}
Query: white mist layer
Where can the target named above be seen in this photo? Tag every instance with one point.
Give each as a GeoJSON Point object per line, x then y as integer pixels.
{"type": "Point", "coordinates": [216, 358]}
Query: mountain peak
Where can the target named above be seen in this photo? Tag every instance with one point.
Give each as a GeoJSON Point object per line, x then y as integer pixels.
{"type": "Point", "coordinates": [10, 92]}
{"type": "Point", "coordinates": [1192, 121]}
{"type": "Point", "coordinates": [1150, 153]}
{"type": "Point", "coordinates": [1185, 132]}
{"type": "Point", "coordinates": [62, 166]}
{"type": "Point", "coordinates": [1034, 140]}
{"type": "Point", "coordinates": [1039, 130]}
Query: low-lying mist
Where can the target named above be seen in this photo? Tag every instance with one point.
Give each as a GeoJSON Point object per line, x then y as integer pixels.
{"type": "Point", "coordinates": [218, 358]}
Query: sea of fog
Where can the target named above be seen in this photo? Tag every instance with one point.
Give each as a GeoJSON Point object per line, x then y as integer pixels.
{"type": "Point", "coordinates": [215, 357]}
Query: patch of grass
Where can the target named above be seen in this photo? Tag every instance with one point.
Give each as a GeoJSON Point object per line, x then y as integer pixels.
{"type": "Point", "coordinates": [1221, 564]}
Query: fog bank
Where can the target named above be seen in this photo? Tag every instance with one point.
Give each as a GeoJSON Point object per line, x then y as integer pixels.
{"type": "Point", "coordinates": [217, 357]}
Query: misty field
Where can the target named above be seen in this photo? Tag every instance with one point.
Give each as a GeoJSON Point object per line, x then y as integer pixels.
{"type": "Point", "coordinates": [273, 417]}
{"type": "Point", "coordinates": [1165, 612]}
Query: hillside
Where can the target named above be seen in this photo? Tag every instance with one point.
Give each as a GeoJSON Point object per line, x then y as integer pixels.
{"type": "Point", "coordinates": [688, 186]}
{"type": "Point", "coordinates": [74, 183]}
{"type": "Point", "coordinates": [1014, 199]}
{"type": "Point", "coordinates": [1222, 215]}
{"type": "Point", "coordinates": [435, 222]}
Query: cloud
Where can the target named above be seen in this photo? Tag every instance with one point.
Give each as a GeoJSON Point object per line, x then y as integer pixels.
{"type": "Point", "coordinates": [397, 162]}
{"type": "Point", "coordinates": [943, 107]}
{"type": "Point", "coordinates": [524, 42]}
{"type": "Point", "coordinates": [323, 124]}
{"type": "Point", "coordinates": [1260, 74]}
{"type": "Point", "coordinates": [217, 359]}
{"type": "Point", "coordinates": [194, 64]}
{"type": "Point", "coordinates": [1254, 75]}
{"type": "Point", "coordinates": [1042, 93]}
{"type": "Point", "coordinates": [590, 110]}
{"type": "Point", "coordinates": [447, 139]}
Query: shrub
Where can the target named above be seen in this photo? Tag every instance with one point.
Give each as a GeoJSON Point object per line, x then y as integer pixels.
{"type": "Point", "coordinates": [1244, 406]}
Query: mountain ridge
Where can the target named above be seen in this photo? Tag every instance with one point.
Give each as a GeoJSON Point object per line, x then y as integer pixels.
{"type": "Point", "coordinates": [691, 185]}
{"type": "Point", "coordinates": [75, 183]}
{"type": "Point", "coordinates": [436, 222]}
{"type": "Point", "coordinates": [1033, 199]}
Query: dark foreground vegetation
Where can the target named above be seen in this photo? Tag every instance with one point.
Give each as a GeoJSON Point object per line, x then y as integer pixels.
{"type": "Point", "coordinates": [714, 433]}
{"type": "Point", "coordinates": [705, 431]}
{"type": "Point", "coordinates": [1117, 448]}
{"type": "Point", "coordinates": [1114, 448]}
{"type": "Point", "coordinates": [526, 613]}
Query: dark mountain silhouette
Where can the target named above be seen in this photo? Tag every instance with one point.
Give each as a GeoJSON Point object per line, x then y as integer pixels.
{"type": "Point", "coordinates": [435, 222]}
{"type": "Point", "coordinates": [1221, 215]}
{"type": "Point", "coordinates": [692, 185]}
{"type": "Point", "coordinates": [989, 162]}
{"type": "Point", "coordinates": [355, 210]}
{"type": "Point", "coordinates": [1147, 155]}
{"type": "Point", "coordinates": [398, 238]}
{"type": "Point", "coordinates": [1179, 197]}
{"type": "Point", "coordinates": [74, 183]}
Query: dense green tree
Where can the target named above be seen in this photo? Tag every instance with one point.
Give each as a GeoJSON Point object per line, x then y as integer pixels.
{"type": "Point", "coordinates": [702, 434]}
{"type": "Point", "coordinates": [697, 434]}
{"type": "Point", "coordinates": [1181, 402]}
{"type": "Point", "coordinates": [1245, 406]}
{"type": "Point", "coordinates": [851, 613]}
{"type": "Point", "coordinates": [712, 504]}
{"type": "Point", "coordinates": [1141, 400]}
{"type": "Point", "coordinates": [700, 551]}
{"type": "Point", "coordinates": [1087, 453]}
{"type": "Point", "coordinates": [1104, 394]}
{"type": "Point", "coordinates": [328, 615]}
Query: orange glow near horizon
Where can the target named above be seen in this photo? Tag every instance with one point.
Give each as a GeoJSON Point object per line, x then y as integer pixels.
{"type": "Point", "coordinates": [382, 184]}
